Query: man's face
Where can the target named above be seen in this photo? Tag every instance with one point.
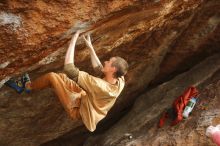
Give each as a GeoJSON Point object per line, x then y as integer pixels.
{"type": "Point", "coordinates": [108, 66]}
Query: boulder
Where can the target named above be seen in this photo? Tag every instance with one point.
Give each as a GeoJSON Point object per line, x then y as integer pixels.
{"type": "Point", "coordinates": [159, 39]}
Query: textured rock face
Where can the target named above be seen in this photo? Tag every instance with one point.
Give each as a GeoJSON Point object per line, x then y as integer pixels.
{"type": "Point", "coordinates": [158, 38]}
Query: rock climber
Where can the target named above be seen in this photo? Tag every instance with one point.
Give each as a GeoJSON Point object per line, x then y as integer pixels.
{"type": "Point", "coordinates": [83, 96]}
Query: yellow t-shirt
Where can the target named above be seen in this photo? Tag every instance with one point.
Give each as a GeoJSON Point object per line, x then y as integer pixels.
{"type": "Point", "coordinates": [99, 99]}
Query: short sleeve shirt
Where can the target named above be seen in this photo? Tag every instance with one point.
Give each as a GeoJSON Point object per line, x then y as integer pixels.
{"type": "Point", "coordinates": [100, 97]}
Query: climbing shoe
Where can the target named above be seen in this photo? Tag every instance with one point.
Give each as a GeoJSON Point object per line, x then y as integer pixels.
{"type": "Point", "coordinates": [25, 79]}
{"type": "Point", "coordinates": [17, 85]}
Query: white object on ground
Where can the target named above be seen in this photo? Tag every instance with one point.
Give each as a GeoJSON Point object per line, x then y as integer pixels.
{"type": "Point", "coordinates": [189, 107]}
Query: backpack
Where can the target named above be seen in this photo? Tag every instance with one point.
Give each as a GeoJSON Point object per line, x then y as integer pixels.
{"type": "Point", "coordinates": [176, 111]}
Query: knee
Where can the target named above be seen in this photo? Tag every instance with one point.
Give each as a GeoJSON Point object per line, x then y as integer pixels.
{"type": "Point", "coordinates": [51, 74]}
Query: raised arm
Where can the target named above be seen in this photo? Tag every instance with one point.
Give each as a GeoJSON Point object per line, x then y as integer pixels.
{"type": "Point", "coordinates": [69, 67]}
{"type": "Point", "coordinates": [94, 58]}
{"type": "Point", "coordinates": [70, 52]}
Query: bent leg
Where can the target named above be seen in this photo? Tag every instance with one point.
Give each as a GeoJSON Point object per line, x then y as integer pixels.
{"type": "Point", "coordinates": [64, 89]}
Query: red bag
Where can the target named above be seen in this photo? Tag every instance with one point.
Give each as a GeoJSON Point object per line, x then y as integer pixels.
{"type": "Point", "coordinates": [178, 106]}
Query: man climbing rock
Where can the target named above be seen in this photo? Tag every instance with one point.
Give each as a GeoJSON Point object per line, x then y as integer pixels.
{"type": "Point", "coordinates": [83, 96]}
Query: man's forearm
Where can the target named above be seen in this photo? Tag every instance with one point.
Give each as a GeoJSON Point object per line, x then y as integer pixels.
{"type": "Point", "coordinates": [71, 49]}
{"type": "Point", "coordinates": [94, 59]}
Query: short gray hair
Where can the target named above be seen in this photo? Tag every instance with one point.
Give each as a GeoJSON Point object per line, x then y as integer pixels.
{"type": "Point", "coordinates": [121, 65]}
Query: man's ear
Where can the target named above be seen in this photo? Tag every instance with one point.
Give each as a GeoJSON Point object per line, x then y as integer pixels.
{"type": "Point", "coordinates": [114, 69]}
